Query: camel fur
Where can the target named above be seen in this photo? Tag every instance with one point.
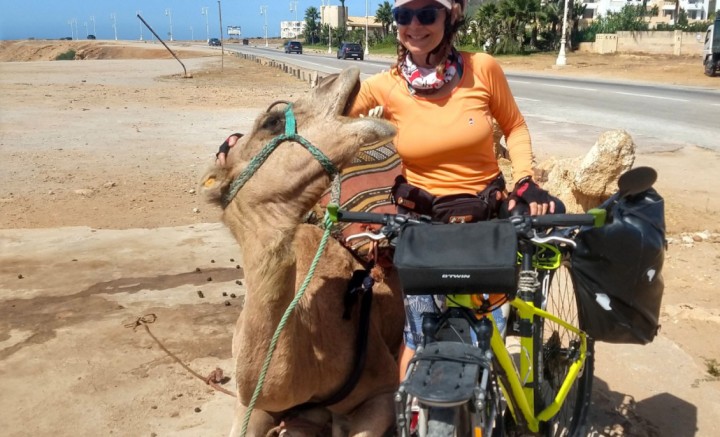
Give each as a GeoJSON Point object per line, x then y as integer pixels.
{"type": "Point", "coordinates": [316, 351]}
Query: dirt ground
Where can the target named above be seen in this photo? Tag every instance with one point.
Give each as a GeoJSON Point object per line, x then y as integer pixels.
{"type": "Point", "coordinates": [100, 224]}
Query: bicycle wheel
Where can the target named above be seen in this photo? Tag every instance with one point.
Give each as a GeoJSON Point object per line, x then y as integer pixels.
{"type": "Point", "coordinates": [448, 422]}
{"type": "Point", "coordinates": [560, 347]}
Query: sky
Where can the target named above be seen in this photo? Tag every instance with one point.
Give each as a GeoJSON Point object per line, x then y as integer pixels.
{"type": "Point", "coordinates": [53, 19]}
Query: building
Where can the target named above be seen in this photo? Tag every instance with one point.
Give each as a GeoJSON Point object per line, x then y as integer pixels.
{"type": "Point", "coordinates": [695, 9]}
{"type": "Point", "coordinates": [373, 26]}
{"type": "Point", "coordinates": [291, 29]}
{"type": "Point", "coordinates": [333, 16]}
{"type": "Point", "coordinates": [337, 16]}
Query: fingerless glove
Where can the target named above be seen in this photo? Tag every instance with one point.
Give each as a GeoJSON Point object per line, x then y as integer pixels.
{"type": "Point", "coordinates": [530, 192]}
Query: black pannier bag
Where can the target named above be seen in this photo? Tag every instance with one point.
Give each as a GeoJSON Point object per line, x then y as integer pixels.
{"type": "Point", "coordinates": [464, 258]}
{"type": "Point", "coordinates": [617, 270]}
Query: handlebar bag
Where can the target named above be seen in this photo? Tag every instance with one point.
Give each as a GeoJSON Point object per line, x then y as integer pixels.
{"type": "Point", "coordinates": [617, 270]}
{"type": "Point", "coordinates": [465, 258]}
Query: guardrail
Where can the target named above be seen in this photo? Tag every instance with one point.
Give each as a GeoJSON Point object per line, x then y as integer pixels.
{"type": "Point", "coordinates": [310, 76]}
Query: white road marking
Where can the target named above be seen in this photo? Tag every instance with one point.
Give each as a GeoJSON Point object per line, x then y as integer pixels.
{"type": "Point", "coordinates": [571, 87]}
{"type": "Point", "coordinates": [652, 97]}
{"type": "Point", "coordinates": [526, 99]}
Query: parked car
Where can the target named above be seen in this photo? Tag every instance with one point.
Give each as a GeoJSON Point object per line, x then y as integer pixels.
{"type": "Point", "coordinates": [711, 49]}
{"type": "Point", "coordinates": [91, 37]}
{"type": "Point", "coordinates": [293, 47]}
{"type": "Point", "coordinates": [350, 50]}
{"type": "Point", "coordinates": [214, 42]}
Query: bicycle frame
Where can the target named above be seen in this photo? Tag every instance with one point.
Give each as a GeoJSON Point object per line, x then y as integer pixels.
{"type": "Point", "coordinates": [517, 384]}
{"type": "Point", "coordinates": [522, 393]}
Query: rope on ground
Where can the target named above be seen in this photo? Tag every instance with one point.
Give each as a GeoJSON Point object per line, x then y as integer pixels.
{"type": "Point", "coordinates": [213, 379]}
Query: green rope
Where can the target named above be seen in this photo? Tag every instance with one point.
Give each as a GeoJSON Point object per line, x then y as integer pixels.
{"type": "Point", "coordinates": [283, 321]}
{"type": "Point", "coordinates": [259, 159]}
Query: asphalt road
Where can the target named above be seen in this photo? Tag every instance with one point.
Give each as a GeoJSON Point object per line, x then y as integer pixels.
{"type": "Point", "coordinates": [658, 117]}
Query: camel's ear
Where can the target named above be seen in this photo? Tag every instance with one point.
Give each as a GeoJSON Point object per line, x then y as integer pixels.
{"type": "Point", "coordinates": [214, 183]}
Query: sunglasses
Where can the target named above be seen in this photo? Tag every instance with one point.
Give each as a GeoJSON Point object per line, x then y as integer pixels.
{"type": "Point", "coordinates": [426, 16]}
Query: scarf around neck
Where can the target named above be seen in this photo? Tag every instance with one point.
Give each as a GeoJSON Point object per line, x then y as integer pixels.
{"type": "Point", "coordinates": [422, 78]}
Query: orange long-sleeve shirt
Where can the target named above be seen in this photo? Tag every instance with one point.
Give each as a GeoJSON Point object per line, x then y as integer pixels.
{"type": "Point", "coordinates": [446, 144]}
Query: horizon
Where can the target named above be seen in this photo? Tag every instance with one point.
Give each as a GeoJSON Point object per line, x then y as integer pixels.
{"type": "Point", "coordinates": [195, 20]}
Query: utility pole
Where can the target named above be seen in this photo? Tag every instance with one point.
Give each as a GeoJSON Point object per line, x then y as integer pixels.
{"type": "Point", "coordinates": [168, 12]}
{"type": "Point", "coordinates": [222, 41]}
{"type": "Point", "coordinates": [293, 7]}
{"type": "Point", "coordinates": [367, 50]}
{"type": "Point", "coordinates": [138, 13]}
{"type": "Point", "coordinates": [561, 59]}
{"type": "Point", "coordinates": [263, 11]}
{"type": "Point", "coordinates": [204, 11]}
{"type": "Point", "coordinates": [114, 24]}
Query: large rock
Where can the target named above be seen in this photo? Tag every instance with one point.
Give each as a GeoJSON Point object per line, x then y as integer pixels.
{"type": "Point", "coordinates": [585, 182]}
{"type": "Point", "coordinates": [612, 155]}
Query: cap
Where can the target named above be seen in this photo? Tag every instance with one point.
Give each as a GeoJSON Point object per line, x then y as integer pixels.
{"type": "Point", "coordinates": [446, 3]}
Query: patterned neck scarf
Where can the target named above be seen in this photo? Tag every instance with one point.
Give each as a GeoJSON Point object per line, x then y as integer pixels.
{"type": "Point", "coordinates": [421, 78]}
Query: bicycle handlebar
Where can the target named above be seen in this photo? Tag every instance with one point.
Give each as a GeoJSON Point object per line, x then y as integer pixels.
{"type": "Point", "coordinates": [535, 222]}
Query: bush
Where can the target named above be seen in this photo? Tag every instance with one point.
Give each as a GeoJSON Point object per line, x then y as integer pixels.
{"type": "Point", "coordinates": [67, 56]}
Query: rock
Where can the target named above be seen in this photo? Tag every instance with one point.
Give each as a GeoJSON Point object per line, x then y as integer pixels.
{"type": "Point", "coordinates": [196, 210]}
{"type": "Point", "coordinates": [85, 192]}
{"type": "Point", "coordinates": [109, 184]}
{"type": "Point", "coordinates": [585, 182]}
{"type": "Point", "coordinates": [612, 155]}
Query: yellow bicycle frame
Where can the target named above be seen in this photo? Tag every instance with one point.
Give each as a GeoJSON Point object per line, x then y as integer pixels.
{"type": "Point", "coordinates": [524, 397]}
{"type": "Point", "coordinates": [522, 393]}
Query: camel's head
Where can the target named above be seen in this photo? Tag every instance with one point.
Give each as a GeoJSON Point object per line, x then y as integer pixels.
{"type": "Point", "coordinates": [291, 172]}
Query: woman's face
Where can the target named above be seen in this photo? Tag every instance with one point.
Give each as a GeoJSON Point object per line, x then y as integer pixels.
{"type": "Point", "coordinates": [421, 39]}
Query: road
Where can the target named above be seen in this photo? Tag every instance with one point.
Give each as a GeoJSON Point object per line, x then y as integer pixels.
{"type": "Point", "coordinates": [658, 117]}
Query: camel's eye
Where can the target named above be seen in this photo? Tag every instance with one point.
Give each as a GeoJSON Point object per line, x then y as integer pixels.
{"type": "Point", "coordinates": [274, 122]}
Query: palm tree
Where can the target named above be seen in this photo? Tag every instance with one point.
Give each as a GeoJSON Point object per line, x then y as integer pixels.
{"type": "Point", "coordinates": [312, 25]}
{"type": "Point", "coordinates": [384, 16]}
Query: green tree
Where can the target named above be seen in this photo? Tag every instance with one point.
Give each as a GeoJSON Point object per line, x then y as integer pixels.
{"type": "Point", "coordinates": [384, 16]}
{"type": "Point", "coordinates": [486, 25]}
{"type": "Point", "coordinates": [312, 25]}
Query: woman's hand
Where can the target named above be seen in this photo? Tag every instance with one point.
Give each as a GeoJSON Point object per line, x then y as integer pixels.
{"type": "Point", "coordinates": [225, 148]}
{"type": "Point", "coordinates": [537, 199]}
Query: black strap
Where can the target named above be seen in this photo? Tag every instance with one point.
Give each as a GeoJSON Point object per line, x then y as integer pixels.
{"type": "Point", "coordinates": [361, 343]}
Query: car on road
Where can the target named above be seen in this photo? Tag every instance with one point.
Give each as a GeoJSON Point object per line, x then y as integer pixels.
{"type": "Point", "coordinates": [350, 50]}
{"type": "Point", "coordinates": [214, 42]}
{"type": "Point", "coordinates": [293, 47]}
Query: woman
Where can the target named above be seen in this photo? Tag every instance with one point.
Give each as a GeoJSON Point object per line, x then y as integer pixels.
{"type": "Point", "coordinates": [443, 103]}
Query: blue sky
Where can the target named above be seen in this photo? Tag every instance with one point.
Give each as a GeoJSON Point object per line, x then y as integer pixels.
{"type": "Point", "coordinates": [49, 19]}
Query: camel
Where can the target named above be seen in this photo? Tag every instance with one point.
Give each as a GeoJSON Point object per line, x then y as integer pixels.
{"type": "Point", "coordinates": [315, 353]}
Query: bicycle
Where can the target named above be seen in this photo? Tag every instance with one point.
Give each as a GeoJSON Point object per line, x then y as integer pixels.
{"type": "Point", "coordinates": [463, 377]}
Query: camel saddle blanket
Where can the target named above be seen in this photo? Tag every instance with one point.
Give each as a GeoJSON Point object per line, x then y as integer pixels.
{"type": "Point", "coordinates": [365, 187]}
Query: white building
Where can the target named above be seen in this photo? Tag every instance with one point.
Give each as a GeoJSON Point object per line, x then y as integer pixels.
{"type": "Point", "coordinates": [291, 29]}
{"type": "Point", "coordinates": [695, 9]}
